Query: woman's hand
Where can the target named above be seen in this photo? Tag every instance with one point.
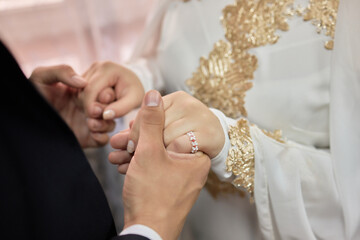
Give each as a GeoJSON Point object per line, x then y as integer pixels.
{"type": "Point", "coordinates": [111, 77]}
{"type": "Point", "coordinates": [183, 113]}
{"type": "Point", "coordinates": [60, 86]}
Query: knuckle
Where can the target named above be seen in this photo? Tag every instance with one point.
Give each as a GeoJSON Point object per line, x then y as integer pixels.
{"type": "Point", "coordinates": [181, 94]}
{"type": "Point", "coordinates": [37, 70]}
{"type": "Point", "coordinates": [36, 73]}
{"type": "Point", "coordinates": [65, 68]}
{"type": "Point", "coordinates": [94, 65]}
{"type": "Point", "coordinates": [106, 64]}
{"type": "Point", "coordinates": [191, 103]}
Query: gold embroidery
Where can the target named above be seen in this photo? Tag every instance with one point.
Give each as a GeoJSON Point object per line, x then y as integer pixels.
{"type": "Point", "coordinates": [220, 82]}
{"type": "Point", "coordinates": [276, 135]}
{"type": "Point", "coordinates": [216, 187]}
{"type": "Point", "coordinates": [241, 159]}
{"type": "Point", "coordinates": [322, 14]}
{"type": "Point", "coordinates": [222, 79]}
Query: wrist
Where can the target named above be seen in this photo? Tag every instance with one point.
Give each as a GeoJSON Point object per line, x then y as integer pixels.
{"type": "Point", "coordinates": [166, 227]}
{"type": "Point", "coordinates": [224, 128]}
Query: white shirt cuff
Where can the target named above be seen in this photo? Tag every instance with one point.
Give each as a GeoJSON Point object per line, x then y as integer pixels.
{"type": "Point", "coordinates": [218, 163]}
{"type": "Point", "coordinates": [142, 230]}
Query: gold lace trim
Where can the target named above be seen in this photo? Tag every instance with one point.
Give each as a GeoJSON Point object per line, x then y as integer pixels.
{"type": "Point", "coordinates": [241, 159]}
{"type": "Point", "coordinates": [220, 82]}
{"type": "Point", "coordinates": [276, 135]}
{"type": "Point", "coordinates": [216, 187]}
{"type": "Point", "coordinates": [222, 79]}
{"type": "Point", "coordinates": [323, 14]}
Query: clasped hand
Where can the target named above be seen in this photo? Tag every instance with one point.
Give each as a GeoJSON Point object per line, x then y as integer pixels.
{"type": "Point", "coordinates": [64, 89]}
{"type": "Point", "coordinates": [90, 102]}
{"type": "Point", "coordinates": [162, 164]}
{"type": "Point", "coordinates": [183, 113]}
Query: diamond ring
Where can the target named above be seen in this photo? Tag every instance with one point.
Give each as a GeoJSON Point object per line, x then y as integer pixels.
{"type": "Point", "coordinates": [194, 144]}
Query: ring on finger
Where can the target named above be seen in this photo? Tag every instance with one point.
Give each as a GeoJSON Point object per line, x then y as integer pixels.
{"type": "Point", "coordinates": [194, 143]}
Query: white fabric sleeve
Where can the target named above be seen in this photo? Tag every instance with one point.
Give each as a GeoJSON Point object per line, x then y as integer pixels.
{"type": "Point", "coordinates": [143, 60]}
{"type": "Point", "coordinates": [218, 165]}
{"type": "Point", "coordinates": [296, 189]}
{"type": "Point", "coordinates": [148, 73]}
{"type": "Point", "coordinates": [141, 230]}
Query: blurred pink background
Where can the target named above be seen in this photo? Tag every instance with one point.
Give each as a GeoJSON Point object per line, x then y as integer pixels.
{"type": "Point", "coordinates": [75, 32]}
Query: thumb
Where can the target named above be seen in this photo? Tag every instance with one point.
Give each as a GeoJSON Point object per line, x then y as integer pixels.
{"type": "Point", "coordinates": [148, 127]}
{"type": "Point", "coordinates": [60, 73]}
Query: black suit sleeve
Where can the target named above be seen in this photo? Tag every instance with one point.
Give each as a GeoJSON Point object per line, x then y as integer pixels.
{"type": "Point", "coordinates": [130, 237]}
{"type": "Point", "coordinates": [47, 188]}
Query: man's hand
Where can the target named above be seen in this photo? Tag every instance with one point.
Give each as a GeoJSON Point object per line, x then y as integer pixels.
{"type": "Point", "coordinates": [160, 187]}
{"type": "Point", "coordinates": [108, 75]}
{"type": "Point", "coordinates": [60, 85]}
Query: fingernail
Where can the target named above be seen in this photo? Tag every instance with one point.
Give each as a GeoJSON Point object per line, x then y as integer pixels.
{"type": "Point", "coordinates": [97, 110]}
{"type": "Point", "coordinates": [109, 114]}
{"type": "Point", "coordinates": [130, 146]}
{"type": "Point", "coordinates": [78, 79]}
{"type": "Point", "coordinates": [152, 99]}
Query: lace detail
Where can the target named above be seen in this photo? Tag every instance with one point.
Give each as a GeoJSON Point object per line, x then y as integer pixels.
{"type": "Point", "coordinates": [276, 135]}
{"type": "Point", "coordinates": [221, 83]}
{"type": "Point", "coordinates": [241, 159]}
{"type": "Point", "coordinates": [222, 79]}
{"type": "Point", "coordinates": [216, 187]}
{"type": "Point", "coordinates": [323, 14]}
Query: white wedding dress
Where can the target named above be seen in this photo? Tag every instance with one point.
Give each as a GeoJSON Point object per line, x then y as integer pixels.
{"type": "Point", "coordinates": [306, 187]}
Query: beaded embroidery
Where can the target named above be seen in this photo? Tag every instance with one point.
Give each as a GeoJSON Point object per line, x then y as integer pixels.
{"type": "Point", "coordinates": [322, 14]}
{"type": "Point", "coordinates": [222, 79]}
{"type": "Point", "coordinates": [241, 160]}
{"type": "Point", "coordinates": [216, 187]}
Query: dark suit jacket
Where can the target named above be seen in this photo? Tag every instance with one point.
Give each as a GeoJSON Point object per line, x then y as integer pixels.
{"type": "Point", "coordinates": [48, 190]}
